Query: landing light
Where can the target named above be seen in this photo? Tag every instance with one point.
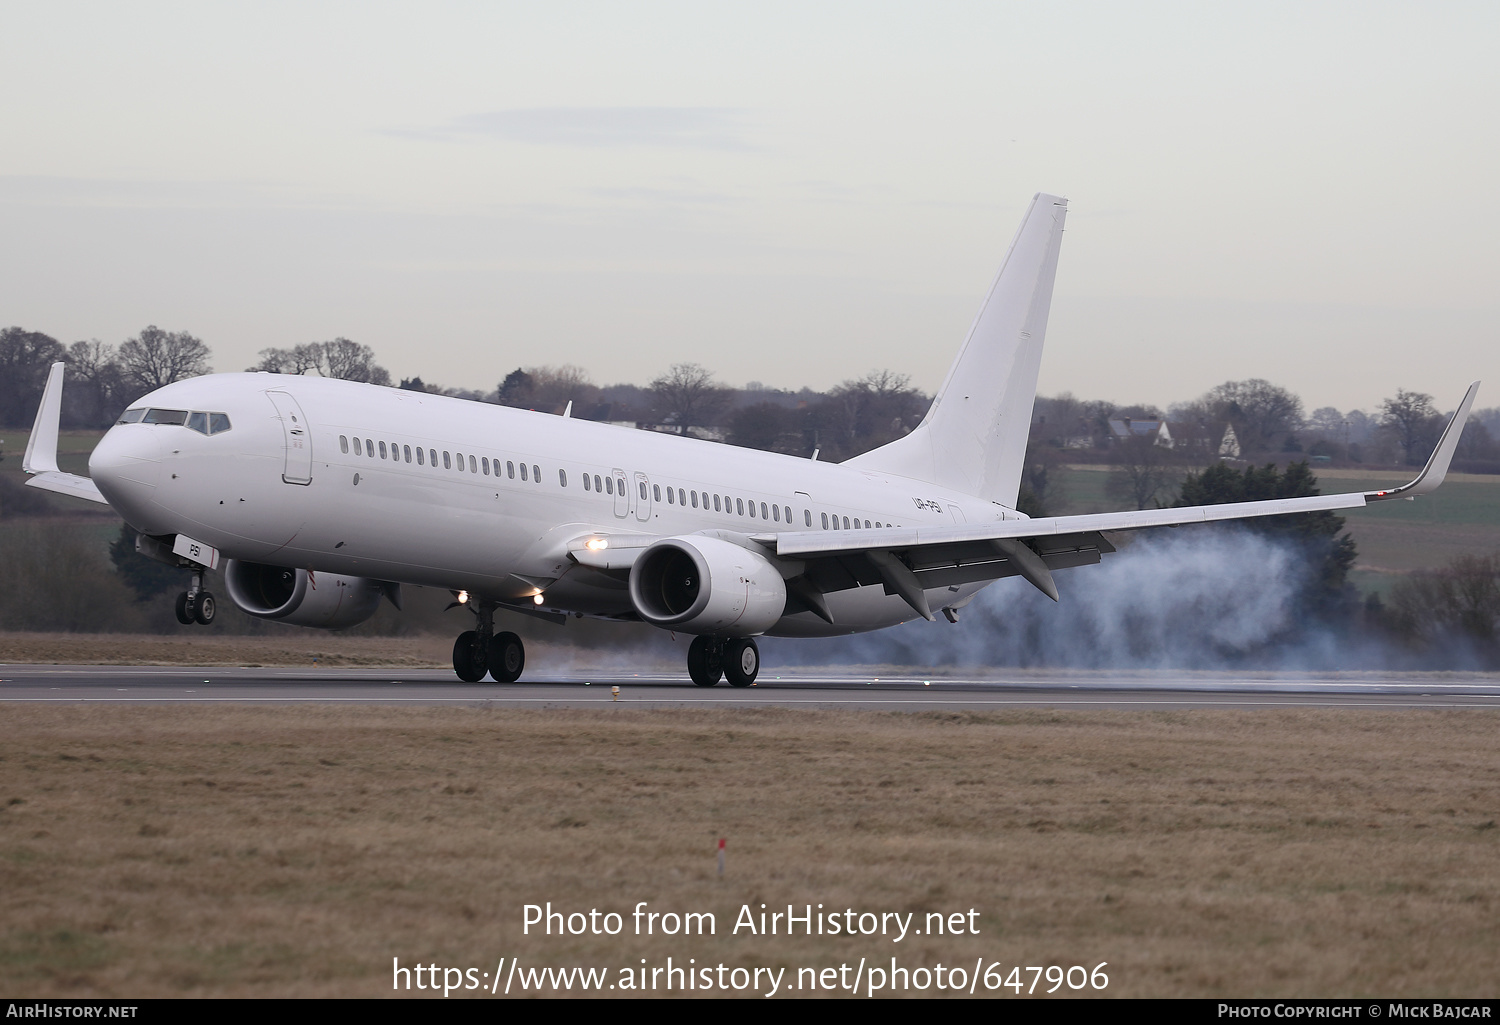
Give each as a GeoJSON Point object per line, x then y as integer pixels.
{"type": "Point", "coordinates": [598, 544]}
{"type": "Point", "coordinates": [537, 598]}
{"type": "Point", "coordinates": [463, 597]}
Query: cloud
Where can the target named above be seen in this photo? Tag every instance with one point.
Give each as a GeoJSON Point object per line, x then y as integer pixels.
{"type": "Point", "coordinates": [601, 127]}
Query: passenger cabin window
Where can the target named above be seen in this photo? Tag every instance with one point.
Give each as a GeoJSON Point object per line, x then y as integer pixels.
{"type": "Point", "coordinates": [643, 490]}
{"type": "Point", "coordinates": [131, 416]}
{"type": "Point", "coordinates": [473, 465]}
{"type": "Point", "coordinates": [536, 473]}
{"type": "Point", "coordinates": [447, 462]}
{"type": "Point", "coordinates": [406, 451]}
{"type": "Point", "coordinates": [382, 450]}
{"type": "Point", "coordinates": [695, 499]}
{"type": "Point", "coordinates": [510, 469]}
{"type": "Point", "coordinates": [807, 515]}
{"type": "Point", "coordinates": [596, 482]}
{"type": "Point", "coordinates": [420, 460]}
{"type": "Point", "coordinates": [670, 499]}
{"type": "Point", "coordinates": [776, 513]}
{"type": "Point", "coordinates": [432, 457]}
{"type": "Point", "coordinates": [739, 504]}
{"type": "Point", "coordinates": [788, 510]}
{"type": "Point", "coordinates": [523, 471]}
{"type": "Point", "coordinates": [825, 521]}
{"type": "Point", "coordinates": [369, 448]}
{"type": "Point", "coordinates": [656, 492]}
{"type": "Point", "coordinates": [716, 503]}
{"type": "Point", "coordinates": [562, 477]}
{"type": "Point", "coordinates": [344, 443]}
{"type": "Point", "coordinates": [609, 484]}
{"type": "Point", "coordinates": [357, 449]}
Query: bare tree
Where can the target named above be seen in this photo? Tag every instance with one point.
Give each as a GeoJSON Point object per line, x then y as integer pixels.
{"type": "Point", "coordinates": [1263, 414]}
{"type": "Point", "coordinates": [1144, 471]}
{"type": "Point", "coordinates": [25, 358]}
{"type": "Point", "coordinates": [350, 361]}
{"type": "Point", "coordinates": [340, 358]}
{"type": "Point", "coordinates": [689, 394]}
{"type": "Point", "coordinates": [1413, 421]}
{"type": "Point", "coordinates": [97, 387]}
{"type": "Point", "coordinates": [155, 358]}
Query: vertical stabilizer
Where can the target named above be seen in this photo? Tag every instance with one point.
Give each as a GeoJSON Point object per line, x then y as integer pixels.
{"type": "Point", "coordinates": [973, 439]}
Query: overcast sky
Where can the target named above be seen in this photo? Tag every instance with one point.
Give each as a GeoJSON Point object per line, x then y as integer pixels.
{"type": "Point", "coordinates": [788, 193]}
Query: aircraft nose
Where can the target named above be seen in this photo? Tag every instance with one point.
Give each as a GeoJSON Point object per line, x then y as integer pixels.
{"type": "Point", "coordinates": [125, 466]}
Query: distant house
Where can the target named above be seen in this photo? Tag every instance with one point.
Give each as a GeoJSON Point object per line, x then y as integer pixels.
{"type": "Point", "coordinates": [1229, 447]}
{"type": "Point", "coordinates": [1121, 428]}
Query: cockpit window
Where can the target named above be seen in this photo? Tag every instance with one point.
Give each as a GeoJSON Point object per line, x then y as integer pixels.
{"type": "Point", "coordinates": [166, 416]}
{"type": "Point", "coordinates": [203, 423]}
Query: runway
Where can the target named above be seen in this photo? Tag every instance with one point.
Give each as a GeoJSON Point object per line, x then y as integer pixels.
{"type": "Point", "coordinates": [826, 690]}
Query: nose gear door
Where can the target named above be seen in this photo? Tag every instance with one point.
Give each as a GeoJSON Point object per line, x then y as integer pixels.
{"type": "Point", "coordinates": [294, 427]}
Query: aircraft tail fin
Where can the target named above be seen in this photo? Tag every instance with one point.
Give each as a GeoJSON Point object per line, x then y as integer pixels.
{"type": "Point", "coordinates": [973, 439]}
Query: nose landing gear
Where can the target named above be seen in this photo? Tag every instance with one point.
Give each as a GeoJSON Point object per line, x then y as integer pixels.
{"type": "Point", "coordinates": [195, 605]}
{"type": "Point", "coordinates": [710, 658]}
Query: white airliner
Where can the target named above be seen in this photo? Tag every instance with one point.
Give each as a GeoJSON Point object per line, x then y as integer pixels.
{"type": "Point", "coordinates": [319, 497]}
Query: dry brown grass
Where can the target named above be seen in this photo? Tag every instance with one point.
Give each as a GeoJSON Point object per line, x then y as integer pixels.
{"type": "Point", "coordinates": [275, 851]}
{"type": "Point", "coordinates": [211, 649]}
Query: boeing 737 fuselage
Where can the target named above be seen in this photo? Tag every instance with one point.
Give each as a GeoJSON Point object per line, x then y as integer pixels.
{"type": "Point", "coordinates": [317, 498]}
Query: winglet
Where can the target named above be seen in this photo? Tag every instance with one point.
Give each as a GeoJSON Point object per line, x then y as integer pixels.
{"type": "Point", "coordinates": [41, 448]}
{"type": "Point", "coordinates": [1436, 469]}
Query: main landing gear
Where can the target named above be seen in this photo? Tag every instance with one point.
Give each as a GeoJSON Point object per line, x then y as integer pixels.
{"type": "Point", "coordinates": [195, 605]}
{"type": "Point", "coordinates": [476, 652]}
{"type": "Point", "coordinates": [737, 658]}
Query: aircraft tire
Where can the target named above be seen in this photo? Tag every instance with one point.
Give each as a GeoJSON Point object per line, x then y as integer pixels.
{"type": "Point", "coordinates": [507, 657]}
{"type": "Point", "coordinates": [469, 668]}
{"type": "Point", "coordinates": [184, 616]}
{"type": "Point", "coordinates": [703, 666]}
{"type": "Point", "coordinates": [742, 661]}
{"type": "Point", "coordinates": [205, 609]}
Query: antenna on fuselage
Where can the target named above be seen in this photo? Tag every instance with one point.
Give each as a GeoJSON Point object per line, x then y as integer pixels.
{"type": "Point", "coordinates": [568, 411]}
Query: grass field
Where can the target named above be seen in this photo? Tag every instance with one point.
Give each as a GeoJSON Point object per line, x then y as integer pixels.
{"type": "Point", "coordinates": [271, 851]}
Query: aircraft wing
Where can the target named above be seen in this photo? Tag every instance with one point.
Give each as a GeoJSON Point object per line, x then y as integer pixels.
{"type": "Point", "coordinates": [910, 560]}
{"type": "Point", "coordinates": [41, 449]}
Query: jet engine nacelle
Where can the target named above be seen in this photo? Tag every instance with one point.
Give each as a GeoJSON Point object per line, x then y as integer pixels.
{"type": "Point", "coordinates": [301, 598]}
{"type": "Point", "coordinates": [704, 585]}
